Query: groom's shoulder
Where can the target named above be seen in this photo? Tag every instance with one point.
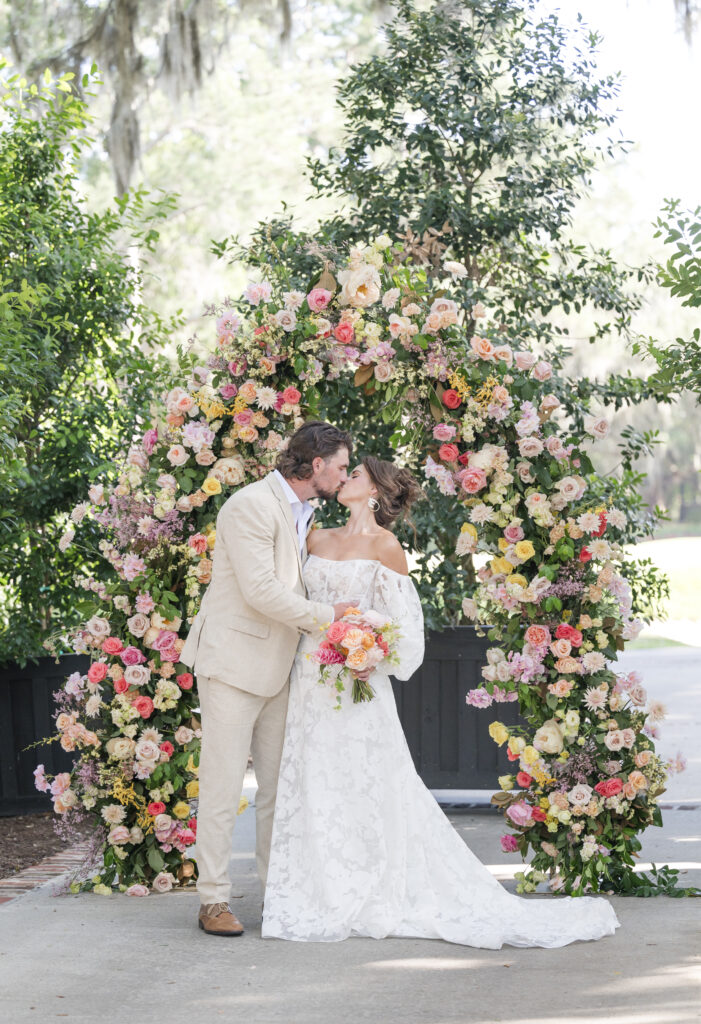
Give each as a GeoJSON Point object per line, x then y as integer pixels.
{"type": "Point", "coordinates": [255, 495]}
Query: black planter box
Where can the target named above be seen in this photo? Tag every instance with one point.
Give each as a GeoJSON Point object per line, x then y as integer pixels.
{"type": "Point", "coordinates": [26, 715]}
{"type": "Point", "coordinates": [449, 740]}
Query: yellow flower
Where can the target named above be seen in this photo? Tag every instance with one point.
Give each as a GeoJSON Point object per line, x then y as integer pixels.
{"type": "Point", "coordinates": [516, 744]}
{"type": "Point", "coordinates": [530, 755]}
{"type": "Point", "coordinates": [181, 810]}
{"type": "Point", "coordinates": [243, 804]}
{"type": "Point", "coordinates": [544, 803]}
{"type": "Point", "coordinates": [102, 890]}
{"type": "Point", "coordinates": [192, 789]}
{"type": "Point", "coordinates": [498, 732]}
{"type": "Point", "coordinates": [211, 539]}
{"type": "Point", "coordinates": [501, 565]}
{"type": "Point", "coordinates": [503, 543]}
{"type": "Point", "coordinates": [524, 549]}
{"type": "Point", "coordinates": [518, 578]}
{"type": "Point", "coordinates": [211, 486]}
{"type": "Point", "coordinates": [469, 528]}
{"type": "Point", "coordinates": [506, 782]}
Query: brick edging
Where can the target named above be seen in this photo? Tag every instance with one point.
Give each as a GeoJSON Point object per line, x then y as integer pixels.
{"type": "Point", "coordinates": [51, 867]}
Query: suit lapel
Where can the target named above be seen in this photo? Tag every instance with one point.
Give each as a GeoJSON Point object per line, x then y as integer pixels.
{"type": "Point", "coordinates": [287, 514]}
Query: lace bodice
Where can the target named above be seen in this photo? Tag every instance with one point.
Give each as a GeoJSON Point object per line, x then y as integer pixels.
{"type": "Point", "coordinates": [370, 584]}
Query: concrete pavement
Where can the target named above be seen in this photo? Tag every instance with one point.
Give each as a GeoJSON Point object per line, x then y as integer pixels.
{"type": "Point", "coordinates": [117, 959]}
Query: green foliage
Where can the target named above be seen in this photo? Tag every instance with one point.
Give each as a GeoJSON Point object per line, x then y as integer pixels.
{"type": "Point", "coordinates": [679, 361]}
{"type": "Point", "coordinates": [76, 369]}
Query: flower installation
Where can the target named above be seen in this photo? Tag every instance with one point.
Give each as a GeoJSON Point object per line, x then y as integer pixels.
{"type": "Point", "coordinates": [484, 418]}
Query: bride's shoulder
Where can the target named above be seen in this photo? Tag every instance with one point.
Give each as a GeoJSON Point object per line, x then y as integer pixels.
{"type": "Point", "coordinates": [390, 552]}
{"type": "Point", "coordinates": [318, 539]}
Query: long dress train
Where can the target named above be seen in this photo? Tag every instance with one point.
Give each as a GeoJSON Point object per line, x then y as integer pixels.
{"type": "Point", "coordinates": [360, 846]}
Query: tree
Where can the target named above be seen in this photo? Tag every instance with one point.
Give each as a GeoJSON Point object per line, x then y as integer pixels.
{"type": "Point", "coordinates": [77, 368]}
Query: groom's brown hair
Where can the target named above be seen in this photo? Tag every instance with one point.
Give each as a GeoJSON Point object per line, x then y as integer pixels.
{"type": "Point", "coordinates": [315, 439]}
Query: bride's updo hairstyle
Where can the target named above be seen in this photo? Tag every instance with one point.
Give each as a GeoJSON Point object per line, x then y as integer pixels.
{"type": "Point", "coordinates": [397, 490]}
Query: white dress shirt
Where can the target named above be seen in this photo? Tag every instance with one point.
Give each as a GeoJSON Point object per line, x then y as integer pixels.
{"type": "Point", "coordinates": [302, 511]}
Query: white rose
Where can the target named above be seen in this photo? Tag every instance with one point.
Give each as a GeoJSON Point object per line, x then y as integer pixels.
{"type": "Point", "coordinates": [138, 624]}
{"type": "Point", "coordinates": [177, 455]}
{"type": "Point", "coordinates": [183, 734]}
{"type": "Point", "coordinates": [147, 750]}
{"type": "Point", "coordinates": [549, 738]}
{"type": "Point", "coordinates": [360, 285]}
{"type": "Point", "coordinates": [383, 372]}
{"type": "Point", "coordinates": [98, 626]}
{"type": "Point", "coordinates": [286, 318]}
{"type": "Point", "coordinates": [229, 471]}
{"type": "Point", "coordinates": [163, 882]}
{"type": "Point", "coordinates": [456, 269]}
{"type": "Point", "coordinates": [580, 795]}
{"type": "Point", "coordinates": [597, 426]}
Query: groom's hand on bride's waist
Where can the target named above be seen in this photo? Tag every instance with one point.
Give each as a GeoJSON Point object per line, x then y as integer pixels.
{"type": "Point", "coordinates": [339, 610]}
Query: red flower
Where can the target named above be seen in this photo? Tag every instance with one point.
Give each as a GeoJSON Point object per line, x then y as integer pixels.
{"type": "Point", "coordinates": [185, 680]}
{"type": "Point", "coordinates": [121, 685]}
{"type": "Point", "coordinates": [112, 645]}
{"type": "Point", "coordinates": [144, 705]}
{"type": "Point", "coordinates": [344, 333]}
{"type": "Point", "coordinates": [567, 632]}
{"type": "Point", "coordinates": [291, 396]}
{"type": "Point", "coordinates": [156, 807]}
{"type": "Point", "coordinates": [538, 814]}
{"type": "Point", "coordinates": [584, 555]}
{"type": "Point", "coordinates": [512, 757]}
{"type": "Point", "coordinates": [451, 399]}
{"type": "Point", "coordinates": [198, 543]}
{"type": "Point", "coordinates": [97, 672]}
{"type": "Point", "coordinates": [192, 825]}
{"type": "Point", "coordinates": [609, 787]}
{"type": "Point", "coordinates": [602, 525]}
{"type": "Point", "coordinates": [448, 452]}
{"type": "Point", "coordinates": [524, 779]}
{"type": "Point", "coordinates": [462, 459]}
{"type": "Point", "coordinates": [167, 748]}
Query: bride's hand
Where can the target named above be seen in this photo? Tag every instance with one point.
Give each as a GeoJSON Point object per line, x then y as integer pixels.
{"type": "Point", "coordinates": [364, 675]}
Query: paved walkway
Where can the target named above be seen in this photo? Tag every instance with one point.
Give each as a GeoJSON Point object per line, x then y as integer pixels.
{"type": "Point", "coordinates": [115, 959]}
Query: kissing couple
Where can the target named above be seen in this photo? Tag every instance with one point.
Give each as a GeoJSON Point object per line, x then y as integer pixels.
{"type": "Point", "coordinates": [348, 839]}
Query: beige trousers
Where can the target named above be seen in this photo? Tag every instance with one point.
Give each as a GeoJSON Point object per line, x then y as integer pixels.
{"type": "Point", "coordinates": [235, 723]}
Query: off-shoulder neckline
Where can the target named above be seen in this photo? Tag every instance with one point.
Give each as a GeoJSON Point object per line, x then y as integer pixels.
{"type": "Point", "coordinates": [373, 561]}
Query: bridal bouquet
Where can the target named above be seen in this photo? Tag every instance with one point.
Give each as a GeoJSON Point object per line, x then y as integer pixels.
{"type": "Point", "coordinates": [358, 641]}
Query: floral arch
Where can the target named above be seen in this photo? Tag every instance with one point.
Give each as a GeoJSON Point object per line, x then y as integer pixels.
{"type": "Point", "coordinates": [486, 426]}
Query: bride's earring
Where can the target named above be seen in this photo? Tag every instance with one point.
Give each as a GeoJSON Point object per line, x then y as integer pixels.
{"type": "Point", "coordinates": [373, 504]}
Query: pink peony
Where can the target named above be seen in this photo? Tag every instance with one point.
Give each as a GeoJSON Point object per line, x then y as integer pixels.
{"type": "Point", "coordinates": [318, 299]}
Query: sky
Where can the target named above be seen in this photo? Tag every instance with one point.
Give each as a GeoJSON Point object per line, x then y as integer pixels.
{"type": "Point", "coordinates": [660, 93]}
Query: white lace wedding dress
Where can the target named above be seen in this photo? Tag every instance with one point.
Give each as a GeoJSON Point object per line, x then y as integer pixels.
{"type": "Point", "coordinates": [360, 847]}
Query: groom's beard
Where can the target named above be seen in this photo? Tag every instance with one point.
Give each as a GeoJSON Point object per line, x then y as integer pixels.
{"type": "Point", "coordinates": [325, 494]}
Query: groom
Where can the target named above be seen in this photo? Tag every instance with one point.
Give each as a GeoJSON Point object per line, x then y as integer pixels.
{"type": "Point", "coordinates": [242, 644]}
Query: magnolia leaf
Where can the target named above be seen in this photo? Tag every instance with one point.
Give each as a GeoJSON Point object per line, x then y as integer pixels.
{"type": "Point", "coordinates": [363, 374]}
{"type": "Point", "coordinates": [327, 281]}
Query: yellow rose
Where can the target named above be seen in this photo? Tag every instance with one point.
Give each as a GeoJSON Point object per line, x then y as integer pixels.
{"type": "Point", "coordinates": [181, 810]}
{"type": "Point", "coordinates": [503, 543]}
{"type": "Point", "coordinates": [501, 565]}
{"type": "Point", "coordinates": [524, 549]}
{"type": "Point", "coordinates": [193, 768]}
{"type": "Point", "coordinates": [469, 528]}
{"type": "Point", "coordinates": [506, 782]}
{"type": "Point", "coordinates": [530, 755]}
{"type": "Point", "coordinates": [516, 744]}
{"type": "Point", "coordinates": [498, 732]}
{"type": "Point", "coordinates": [192, 789]}
{"type": "Point", "coordinates": [211, 539]}
{"type": "Point", "coordinates": [211, 486]}
{"type": "Point", "coordinates": [518, 578]}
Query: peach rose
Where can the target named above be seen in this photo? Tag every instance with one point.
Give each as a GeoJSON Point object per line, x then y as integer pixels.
{"type": "Point", "coordinates": [561, 648]}
{"type": "Point", "coordinates": [638, 780]}
{"type": "Point", "coordinates": [357, 659]}
{"type": "Point", "coordinates": [542, 370]}
{"type": "Point", "coordinates": [483, 347]}
{"type": "Point", "coordinates": [525, 360]}
{"type": "Point", "coordinates": [353, 638]}
{"type": "Point", "coordinates": [643, 758]}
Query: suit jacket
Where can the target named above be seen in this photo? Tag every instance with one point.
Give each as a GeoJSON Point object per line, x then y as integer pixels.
{"type": "Point", "coordinates": [247, 629]}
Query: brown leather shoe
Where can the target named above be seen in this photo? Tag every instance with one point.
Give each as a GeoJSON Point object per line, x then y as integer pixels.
{"type": "Point", "coordinates": [217, 919]}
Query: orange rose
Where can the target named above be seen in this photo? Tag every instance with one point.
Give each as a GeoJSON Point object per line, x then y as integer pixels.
{"type": "Point", "coordinates": [353, 638]}
{"type": "Point", "coordinates": [368, 641]}
{"type": "Point", "coordinates": [357, 659]}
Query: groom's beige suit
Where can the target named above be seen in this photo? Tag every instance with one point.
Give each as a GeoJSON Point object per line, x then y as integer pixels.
{"type": "Point", "coordinates": [241, 646]}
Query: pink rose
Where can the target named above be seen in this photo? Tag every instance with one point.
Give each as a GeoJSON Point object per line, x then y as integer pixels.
{"type": "Point", "coordinates": [150, 440]}
{"type": "Point", "coordinates": [165, 640]}
{"type": "Point", "coordinates": [97, 671]}
{"type": "Point", "coordinates": [156, 807]}
{"type": "Point", "coordinates": [121, 685]}
{"type": "Point", "coordinates": [520, 813]}
{"type": "Point", "coordinates": [318, 299]}
{"type": "Point", "coordinates": [525, 360]}
{"type": "Point", "coordinates": [228, 391]}
{"type": "Point", "coordinates": [136, 675]}
{"type": "Point", "coordinates": [243, 418]}
{"type": "Point", "coordinates": [537, 636]}
{"type": "Point", "coordinates": [509, 843]}
{"type": "Point", "coordinates": [345, 333]}
{"type": "Point", "coordinates": [163, 882]}
{"type": "Point", "coordinates": [137, 889]}
{"type": "Point", "coordinates": [144, 706]}
{"type": "Point", "coordinates": [473, 479]}
{"type": "Point", "coordinates": [198, 543]}
{"type": "Point", "coordinates": [383, 372]}
{"type": "Point", "coordinates": [167, 749]}
{"type": "Point", "coordinates": [542, 370]}
{"type": "Point", "coordinates": [444, 432]}
{"type": "Point", "coordinates": [185, 681]}
{"type": "Point", "coordinates": [609, 787]}
{"type": "Point", "coordinates": [183, 735]}
{"type": "Point", "coordinates": [132, 656]}
{"type": "Point", "coordinates": [119, 835]}
{"type": "Point", "coordinates": [60, 784]}
{"type": "Point", "coordinates": [291, 396]}
{"type": "Point", "coordinates": [513, 533]}
{"type": "Point", "coordinates": [448, 452]}
{"type": "Point", "coordinates": [112, 645]}
{"type": "Point", "coordinates": [336, 632]}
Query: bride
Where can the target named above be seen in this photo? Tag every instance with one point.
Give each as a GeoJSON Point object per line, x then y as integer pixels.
{"type": "Point", "coordinates": [359, 845]}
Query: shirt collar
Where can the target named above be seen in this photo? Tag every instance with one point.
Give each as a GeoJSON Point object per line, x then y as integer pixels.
{"type": "Point", "coordinates": [290, 494]}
